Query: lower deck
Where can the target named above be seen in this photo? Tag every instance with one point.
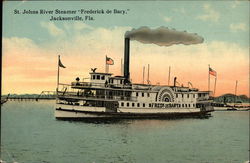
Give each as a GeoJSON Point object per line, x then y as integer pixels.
{"type": "Point", "coordinates": [74, 111]}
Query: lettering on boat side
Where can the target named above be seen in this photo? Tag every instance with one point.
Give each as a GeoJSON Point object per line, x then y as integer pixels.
{"type": "Point", "coordinates": [161, 105]}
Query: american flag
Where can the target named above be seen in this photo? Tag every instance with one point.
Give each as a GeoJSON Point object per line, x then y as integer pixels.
{"type": "Point", "coordinates": [212, 72]}
{"type": "Point", "coordinates": [109, 61]}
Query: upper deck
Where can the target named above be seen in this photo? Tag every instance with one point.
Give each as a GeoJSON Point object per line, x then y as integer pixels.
{"type": "Point", "coordinates": [108, 82]}
{"type": "Point", "coordinates": [105, 87]}
{"type": "Point", "coordinates": [100, 80]}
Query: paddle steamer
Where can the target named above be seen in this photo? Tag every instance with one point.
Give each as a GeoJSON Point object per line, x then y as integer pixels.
{"type": "Point", "coordinates": [108, 96]}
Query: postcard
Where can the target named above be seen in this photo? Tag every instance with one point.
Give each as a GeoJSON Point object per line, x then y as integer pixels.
{"type": "Point", "coordinates": [170, 79]}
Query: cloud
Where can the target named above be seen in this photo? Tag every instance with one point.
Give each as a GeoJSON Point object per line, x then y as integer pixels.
{"type": "Point", "coordinates": [209, 14]}
{"type": "Point", "coordinates": [238, 27]}
{"type": "Point", "coordinates": [52, 28]}
{"type": "Point", "coordinates": [76, 26]}
{"type": "Point", "coordinates": [35, 66]}
{"type": "Point", "coordinates": [167, 19]}
{"type": "Point", "coordinates": [81, 26]}
{"type": "Point", "coordinates": [26, 61]}
{"type": "Point", "coordinates": [190, 63]}
{"type": "Point", "coordinates": [25, 65]}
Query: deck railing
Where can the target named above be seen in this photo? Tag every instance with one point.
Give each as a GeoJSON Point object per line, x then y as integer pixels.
{"type": "Point", "coordinates": [98, 85]}
{"type": "Point", "coordinates": [204, 98]}
{"type": "Point", "coordinates": [93, 97]}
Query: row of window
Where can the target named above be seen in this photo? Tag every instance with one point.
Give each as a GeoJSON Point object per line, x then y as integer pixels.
{"type": "Point", "coordinates": [182, 95]}
{"type": "Point", "coordinates": [187, 105]}
{"type": "Point", "coordinates": [98, 77]}
{"type": "Point", "coordinates": [201, 95]}
{"type": "Point", "coordinates": [133, 104]}
{"type": "Point", "coordinates": [150, 105]}
{"type": "Point", "coordinates": [102, 77]}
{"type": "Point", "coordinates": [142, 94]}
{"type": "Point", "coordinates": [112, 81]}
{"type": "Point", "coordinates": [177, 95]}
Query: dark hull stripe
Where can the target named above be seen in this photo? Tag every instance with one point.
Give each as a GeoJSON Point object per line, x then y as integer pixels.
{"type": "Point", "coordinates": [109, 115]}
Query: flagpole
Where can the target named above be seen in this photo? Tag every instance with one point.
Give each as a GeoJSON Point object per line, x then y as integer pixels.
{"type": "Point", "coordinates": [208, 78]}
{"type": "Point", "coordinates": [215, 85]}
{"type": "Point", "coordinates": [148, 74]}
{"type": "Point", "coordinates": [105, 63]}
{"type": "Point", "coordinates": [235, 91]}
{"type": "Point", "coordinates": [143, 74]}
{"type": "Point", "coordinates": [121, 67]}
{"type": "Point", "coordinates": [169, 74]}
{"type": "Point", "coordinates": [236, 87]}
{"type": "Point", "coordinates": [58, 73]}
{"type": "Point", "coordinates": [107, 66]}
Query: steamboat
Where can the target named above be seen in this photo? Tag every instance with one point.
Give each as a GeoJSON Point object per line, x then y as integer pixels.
{"type": "Point", "coordinates": [106, 97]}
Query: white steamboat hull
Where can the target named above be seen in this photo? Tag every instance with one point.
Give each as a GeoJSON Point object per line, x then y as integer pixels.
{"type": "Point", "coordinates": [82, 112]}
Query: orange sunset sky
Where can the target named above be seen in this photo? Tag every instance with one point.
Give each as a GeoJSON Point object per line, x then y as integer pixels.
{"type": "Point", "coordinates": [30, 51]}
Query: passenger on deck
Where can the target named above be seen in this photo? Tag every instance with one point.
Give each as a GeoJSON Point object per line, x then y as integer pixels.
{"type": "Point", "coordinates": [77, 81]}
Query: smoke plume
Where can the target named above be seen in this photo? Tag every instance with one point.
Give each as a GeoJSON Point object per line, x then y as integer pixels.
{"type": "Point", "coordinates": [163, 36]}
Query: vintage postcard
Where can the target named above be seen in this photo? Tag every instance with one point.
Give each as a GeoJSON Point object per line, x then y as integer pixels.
{"type": "Point", "coordinates": [125, 81]}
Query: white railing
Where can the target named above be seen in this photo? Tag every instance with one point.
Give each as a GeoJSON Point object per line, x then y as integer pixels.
{"type": "Point", "coordinates": [203, 98]}
{"type": "Point", "coordinates": [93, 97]}
{"type": "Point", "coordinates": [98, 85]}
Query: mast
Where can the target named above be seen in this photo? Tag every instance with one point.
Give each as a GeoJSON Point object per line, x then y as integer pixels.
{"type": "Point", "coordinates": [121, 67]}
{"type": "Point", "coordinates": [235, 93]}
{"type": "Point", "coordinates": [143, 74]}
{"type": "Point", "coordinates": [208, 79]}
{"type": "Point", "coordinates": [215, 80]}
{"type": "Point", "coordinates": [148, 74]}
{"type": "Point", "coordinates": [169, 69]}
{"type": "Point", "coordinates": [106, 66]}
{"type": "Point", "coordinates": [57, 74]}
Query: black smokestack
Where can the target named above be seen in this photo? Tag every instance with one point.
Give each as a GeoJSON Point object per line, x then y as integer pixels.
{"type": "Point", "coordinates": [163, 36]}
{"type": "Point", "coordinates": [175, 78]}
{"type": "Point", "coordinates": [126, 58]}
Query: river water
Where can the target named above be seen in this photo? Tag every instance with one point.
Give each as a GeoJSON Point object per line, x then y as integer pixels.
{"type": "Point", "coordinates": [31, 134]}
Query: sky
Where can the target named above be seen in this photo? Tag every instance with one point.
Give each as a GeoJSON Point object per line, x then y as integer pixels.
{"type": "Point", "coordinates": [32, 42]}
